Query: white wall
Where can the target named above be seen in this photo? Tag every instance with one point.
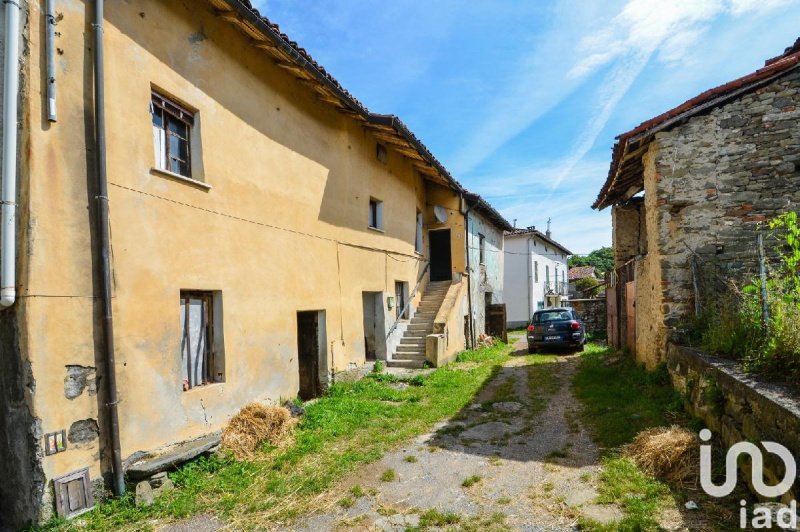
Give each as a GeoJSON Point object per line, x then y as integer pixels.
{"type": "Point", "coordinates": [488, 277]}
{"type": "Point", "coordinates": [524, 253]}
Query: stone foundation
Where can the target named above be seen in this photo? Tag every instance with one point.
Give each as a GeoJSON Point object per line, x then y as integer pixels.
{"type": "Point", "coordinates": [738, 407]}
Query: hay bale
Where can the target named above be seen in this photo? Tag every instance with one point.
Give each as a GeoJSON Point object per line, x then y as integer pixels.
{"type": "Point", "coordinates": [254, 425]}
{"type": "Point", "coordinates": [671, 454]}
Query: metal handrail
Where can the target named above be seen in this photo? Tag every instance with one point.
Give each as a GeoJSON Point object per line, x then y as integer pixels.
{"type": "Point", "coordinates": [408, 303]}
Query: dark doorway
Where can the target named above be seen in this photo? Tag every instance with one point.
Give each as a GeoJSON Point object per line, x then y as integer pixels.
{"type": "Point", "coordinates": [374, 326]}
{"type": "Point", "coordinates": [441, 265]}
{"type": "Point", "coordinates": [308, 354]}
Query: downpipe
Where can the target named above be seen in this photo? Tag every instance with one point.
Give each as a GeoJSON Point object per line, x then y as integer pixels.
{"type": "Point", "coordinates": [102, 241]}
{"type": "Point", "coordinates": [8, 194]}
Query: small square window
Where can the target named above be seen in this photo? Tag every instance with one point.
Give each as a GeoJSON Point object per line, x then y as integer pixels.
{"type": "Point", "coordinates": [375, 214]}
{"type": "Point", "coordinates": [202, 354]}
{"type": "Point", "coordinates": [381, 153]}
{"type": "Point", "coordinates": [172, 131]}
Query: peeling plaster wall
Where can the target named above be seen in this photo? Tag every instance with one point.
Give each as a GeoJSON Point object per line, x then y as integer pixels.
{"type": "Point", "coordinates": [487, 277]}
{"type": "Point", "coordinates": [283, 228]}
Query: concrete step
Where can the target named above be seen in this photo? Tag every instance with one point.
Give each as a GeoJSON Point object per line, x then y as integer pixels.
{"type": "Point", "coordinates": [428, 322]}
{"type": "Point", "coordinates": [408, 356]}
{"type": "Point", "coordinates": [421, 335]}
{"type": "Point", "coordinates": [410, 364]}
{"type": "Point", "coordinates": [412, 342]}
{"type": "Point", "coordinates": [412, 349]}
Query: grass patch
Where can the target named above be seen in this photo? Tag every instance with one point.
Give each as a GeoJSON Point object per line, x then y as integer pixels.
{"type": "Point", "coordinates": [558, 453]}
{"type": "Point", "coordinates": [437, 518]}
{"type": "Point", "coordinates": [347, 502]}
{"type": "Point", "coordinates": [388, 475]}
{"type": "Point", "coordinates": [471, 481]}
{"type": "Point", "coordinates": [542, 382]}
{"type": "Point", "coordinates": [504, 500]}
{"type": "Point", "coordinates": [620, 399]}
{"type": "Point", "coordinates": [357, 491]}
{"type": "Point", "coordinates": [350, 426]}
{"type": "Point", "coordinates": [411, 459]}
{"type": "Point", "coordinates": [641, 497]}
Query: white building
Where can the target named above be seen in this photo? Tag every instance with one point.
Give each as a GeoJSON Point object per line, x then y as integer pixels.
{"type": "Point", "coordinates": [535, 274]}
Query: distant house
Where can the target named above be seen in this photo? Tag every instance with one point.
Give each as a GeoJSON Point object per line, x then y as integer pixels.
{"type": "Point", "coordinates": [575, 274]}
{"type": "Point", "coordinates": [485, 259]}
{"type": "Point", "coordinates": [535, 274]}
{"type": "Point", "coordinates": [710, 170]}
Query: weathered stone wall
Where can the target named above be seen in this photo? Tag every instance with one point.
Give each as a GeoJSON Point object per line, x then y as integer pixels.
{"type": "Point", "coordinates": [629, 236]}
{"type": "Point", "coordinates": [716, 177]}
{"type": "Point", "coordinates": [593, 314]}
{"type": "Point", "coordinates": [738, 407]}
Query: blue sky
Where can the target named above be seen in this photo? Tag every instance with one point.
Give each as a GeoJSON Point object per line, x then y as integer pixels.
{"type": "Point", "coordinates": [521, 100]}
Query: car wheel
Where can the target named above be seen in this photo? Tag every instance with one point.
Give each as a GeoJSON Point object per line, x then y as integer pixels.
{"type": "Point", "coordinates": [531, 350]}
{"type": "Point", "coordinates": [580, 348]}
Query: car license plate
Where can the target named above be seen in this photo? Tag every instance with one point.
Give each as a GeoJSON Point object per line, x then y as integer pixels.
{"type": "Point", "coordinates": [552, 338]}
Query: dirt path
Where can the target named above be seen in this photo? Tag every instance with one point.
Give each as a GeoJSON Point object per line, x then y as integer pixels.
{"type": "Point", "coordinates": [517, 457]}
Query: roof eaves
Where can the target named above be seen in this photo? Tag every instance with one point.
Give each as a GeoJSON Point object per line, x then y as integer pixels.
{"type": "Point", "coordinates": [540, 235]}
{"type": "Point", "coordinates": [485, 208]}
{"type": "Point", "coordinates": [644, 132]}
{"type": "Point", "coordinates": [303, 59]}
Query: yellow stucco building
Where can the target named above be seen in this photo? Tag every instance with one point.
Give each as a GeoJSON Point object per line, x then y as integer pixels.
{"type": "Point", "coordinates": [266, 232]}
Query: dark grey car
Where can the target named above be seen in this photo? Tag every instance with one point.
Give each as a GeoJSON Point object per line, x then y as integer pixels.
{"type": "Point", "coordinates": [559, 328]}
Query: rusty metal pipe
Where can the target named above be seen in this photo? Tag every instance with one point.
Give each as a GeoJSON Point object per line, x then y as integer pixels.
{"type": "Point", "coordinates": [102, 241]}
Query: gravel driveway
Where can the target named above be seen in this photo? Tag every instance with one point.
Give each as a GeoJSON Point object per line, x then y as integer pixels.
{"type": "Point", "coordinates": [517, 457]}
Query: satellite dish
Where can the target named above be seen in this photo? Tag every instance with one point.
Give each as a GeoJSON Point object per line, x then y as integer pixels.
{"type": "Point", "coordinates": [440, 213]}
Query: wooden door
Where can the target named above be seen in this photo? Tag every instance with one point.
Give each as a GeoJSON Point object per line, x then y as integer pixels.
{"type": "Point", "coordinates": [308, 354]}
{"type": "Point", "coordinates": [441, 264]}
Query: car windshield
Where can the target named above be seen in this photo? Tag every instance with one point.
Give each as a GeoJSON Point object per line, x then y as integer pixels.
{"type": "Point", "coordinates": [556, 315]}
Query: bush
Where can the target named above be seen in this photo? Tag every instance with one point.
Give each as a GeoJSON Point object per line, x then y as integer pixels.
{"type": "Point", "coordinates": [733, 325]}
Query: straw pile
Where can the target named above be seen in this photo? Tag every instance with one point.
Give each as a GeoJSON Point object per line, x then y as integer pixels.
{"type": "Point", "coordinates": [254, 425]}
{"type": "Point", "coordinates": [671, 454]}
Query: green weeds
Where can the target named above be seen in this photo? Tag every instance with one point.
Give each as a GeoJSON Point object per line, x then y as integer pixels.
{"type": "Point", "coordinates": [352, 425]}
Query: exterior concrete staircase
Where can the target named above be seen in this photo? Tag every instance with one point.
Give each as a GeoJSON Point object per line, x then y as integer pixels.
{"type": "Point", "coordinates": [411, 351]}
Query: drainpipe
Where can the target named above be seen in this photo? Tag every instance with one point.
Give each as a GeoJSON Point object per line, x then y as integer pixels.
{"type": "Point", "coordinates": [529, 258]}
{"type": "Point", "coordinates": [50, 45]}
{"type": "Point", "coordinates": [8, 195]}
{"type": "Point", "coordinates": [102, 242]}
{"type": "Point", "coordinates": [469, 275]}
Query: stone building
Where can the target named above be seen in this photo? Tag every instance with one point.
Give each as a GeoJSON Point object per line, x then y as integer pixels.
{"type": "Point", "coordinates": [688, 190]}
{"type": "Point", "coordinates": [485, 260]}
{"type": "Point", "coordinates": [535, 274]}
{"type": "Point", "coordinates": [265, 231]}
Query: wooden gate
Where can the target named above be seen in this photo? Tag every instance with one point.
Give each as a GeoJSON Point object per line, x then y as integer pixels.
{"type": "Point", "coordinates": [496, 321]}
{"type": "Point", "coordinates": [630, 311]}
{"type": "Point", "coordinates": [612, 316]}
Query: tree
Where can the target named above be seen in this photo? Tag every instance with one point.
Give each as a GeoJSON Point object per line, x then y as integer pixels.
{"type": "Point", "coordinates": [602, 259]}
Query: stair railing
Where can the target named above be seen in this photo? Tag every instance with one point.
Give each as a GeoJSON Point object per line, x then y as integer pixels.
{"type": "Point", "coordinates": [410, 298]}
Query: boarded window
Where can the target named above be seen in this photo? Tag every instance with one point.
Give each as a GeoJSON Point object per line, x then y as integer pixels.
{"type": "Point", "coordinates": [482, 248]}
{"type": "Point", "coordinates": [73, 493]}
{"type": "Point", "coordinates": [536, 271]}
{"type": "Point", "coordinates": [418, 246]}
{"type": "Point", "coordinates": [172, 129]}
{"type": "Point", "coordinates": [200, 360]}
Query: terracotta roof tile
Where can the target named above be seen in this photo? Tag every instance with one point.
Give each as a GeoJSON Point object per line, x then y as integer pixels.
{"type": "Point", "coordinates": [772, 67]}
